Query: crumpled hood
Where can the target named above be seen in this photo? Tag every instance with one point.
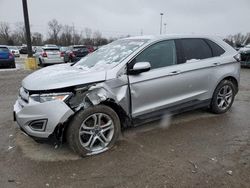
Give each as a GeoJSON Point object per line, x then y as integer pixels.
{"type": "Point", "coordinates": [61, 76]}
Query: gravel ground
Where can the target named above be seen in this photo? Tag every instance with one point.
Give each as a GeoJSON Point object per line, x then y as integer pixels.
{"type": "Point", "coordinates": [194, 149]}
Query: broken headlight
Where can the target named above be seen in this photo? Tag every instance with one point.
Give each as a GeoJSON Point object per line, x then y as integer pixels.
{"type": "Point", "coordinates": [50, 97]}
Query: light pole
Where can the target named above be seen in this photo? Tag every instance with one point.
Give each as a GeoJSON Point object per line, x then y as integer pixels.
{"type": "Point", "coordinates": [161, 14]}
{"type": "Point", "coordinates": [165, 28]}
{"type": "Point", "coordinates": [27, 28]}
{"type": "Point", "coordinates": [30, 62]}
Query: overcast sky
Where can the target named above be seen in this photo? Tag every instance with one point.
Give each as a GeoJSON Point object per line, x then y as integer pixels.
{"type": "Point", "coordinates": [122, 17]}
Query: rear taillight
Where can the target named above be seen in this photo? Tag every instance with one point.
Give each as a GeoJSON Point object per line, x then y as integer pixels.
{"type": "Point", "coordinates": [62, 54]}
{"type": "Point", "coordinates": [11, 56]}
{"type": "Point", "coordinates": [44, 54]}
{"type": "Point", "coordinates": [237, 57]}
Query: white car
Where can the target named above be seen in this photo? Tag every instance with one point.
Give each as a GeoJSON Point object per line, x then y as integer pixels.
{"type": "Point", "coordinates": [48, 56]}
{"type": "Point", "coordinates": [14, 50]}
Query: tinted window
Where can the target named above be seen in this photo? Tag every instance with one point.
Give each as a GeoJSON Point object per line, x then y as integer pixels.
{"type": "Point", "coordinates": [51, 49]}
{"type": "Point", "coordinates": [194, 49]}
{"type": "Point", "coordinates": [159, 55]}
{"type": "Point", "coordinates": [216, 49]}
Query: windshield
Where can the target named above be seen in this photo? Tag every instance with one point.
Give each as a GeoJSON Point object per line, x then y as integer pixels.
{"type": "Point", "coordinates": [111, 54]}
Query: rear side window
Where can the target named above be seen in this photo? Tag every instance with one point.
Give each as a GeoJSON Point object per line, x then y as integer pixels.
{"type": "Point", "coordinates": [193, 49]}
{"type": "Point", "coordinates": [216, 49]}
{"type": "Point", "coordinates": [159, 55]}
{"type": "Point", "coordinates": [4, 49]}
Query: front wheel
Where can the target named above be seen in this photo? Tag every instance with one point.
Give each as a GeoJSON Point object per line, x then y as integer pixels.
{"type": "Point", "coordinates": [223, 97]}
{"type": "Point", "coordinates": [93, 130]}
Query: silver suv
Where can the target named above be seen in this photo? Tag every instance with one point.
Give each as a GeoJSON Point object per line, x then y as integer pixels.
{"type": "Point", "coordinates": [126, 83]}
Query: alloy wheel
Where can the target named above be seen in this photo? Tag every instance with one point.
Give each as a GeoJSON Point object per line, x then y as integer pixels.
{"type": "Point", "coordinates": [96, 132]}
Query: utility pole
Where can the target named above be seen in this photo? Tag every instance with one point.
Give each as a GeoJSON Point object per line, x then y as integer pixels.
{"type": "Point", "coordinates": [165, 28]}
{"type": "Point", "coordinates": [27, 28]}
{"type": "Point", "coordinates": [30, 62]}
{"type": "Point", "coordinates": [161, 14]}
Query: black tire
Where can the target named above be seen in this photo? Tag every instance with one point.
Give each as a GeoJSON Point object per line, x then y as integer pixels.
{"type": "Point", "coordinates": [215, 107]}
{"type": "Point", "coordinates": [13, 65]}
{"type": "Point", "coordinates": [73, 131]}
{"type": "Point", "coordinates": [41, 63]}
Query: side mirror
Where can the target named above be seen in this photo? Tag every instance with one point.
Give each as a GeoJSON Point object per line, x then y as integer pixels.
{"type": "Point", "coordinates": [140, 67]}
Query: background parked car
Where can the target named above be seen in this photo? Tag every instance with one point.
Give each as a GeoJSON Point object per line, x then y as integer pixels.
{"type": "Point", "coordinates": [245, 55]}
{"type": "Point", "coordinates": [23, 49]}
{"type": "Point", "coordinates": [63, 50]}
{"type": "Point", "coordinates": [7, 59]}
{"type": "Point", "coordinates": [48, 56]}
{"type": "Point", "coordinates": [14, 50]}
{"type": "Point", "coordinates": [75, 53]}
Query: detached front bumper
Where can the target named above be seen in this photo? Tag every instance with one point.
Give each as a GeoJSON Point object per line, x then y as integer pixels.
{"type": "Point", "coordinates": [40, 119]}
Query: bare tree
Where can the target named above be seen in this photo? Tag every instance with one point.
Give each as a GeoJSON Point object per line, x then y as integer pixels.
{"type": "Point", "coordinates": [19, 34]}
{"type": "Point", "coordinates": [66, 36]}
{"type": "Point", "coordinates": [97, 38]}
{"type": "Point", "coordinates": [238, 40]}
{"type": "Point", "coordinates": [5, 36]}
{"type": "Point", "coordinates": [37, 39]}
{"type": "Point", "coordinates": [88, 35]}
{"type": "Point", "coordinates": [54, 30]}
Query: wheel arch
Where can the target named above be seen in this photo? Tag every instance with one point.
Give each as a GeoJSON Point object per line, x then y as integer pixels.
{"type": "Point", "coordinates": [233, 80]}
{"type": "Point", "coordinates": [123, 116]}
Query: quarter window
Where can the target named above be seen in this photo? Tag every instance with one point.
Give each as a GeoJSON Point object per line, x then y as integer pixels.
{"type": "Point", "coordinates": [216, 49]}
{"type": "Point", "coordinates": [159, 55]}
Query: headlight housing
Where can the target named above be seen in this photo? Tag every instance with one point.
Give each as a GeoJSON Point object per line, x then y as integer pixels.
{"type": "Point", "coordinates": [50, 97]}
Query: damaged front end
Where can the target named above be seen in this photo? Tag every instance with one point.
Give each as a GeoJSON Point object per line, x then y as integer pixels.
{"type": "Point", "coordinates": [113, 93]}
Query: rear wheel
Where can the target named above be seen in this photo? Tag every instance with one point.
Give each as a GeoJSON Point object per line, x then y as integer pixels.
{"type": "Point", "coordinates": [93, 130]}
{"type": "Point", "coordinates": [223, 97]}
{"type": "Point", "coordinates": [13, 65]}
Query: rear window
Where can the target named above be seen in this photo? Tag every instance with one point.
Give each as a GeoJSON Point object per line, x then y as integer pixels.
{"type": "Point", "coordinates": [193, 49]}
{"type": "Point", "coordinates": [76, 47]}
{"type": "Point", "coordinates": [4, 49]}
{"type": "Point", "coordinates": [216, 49]}
{"type": "Point", "coordinates": [51, 49]}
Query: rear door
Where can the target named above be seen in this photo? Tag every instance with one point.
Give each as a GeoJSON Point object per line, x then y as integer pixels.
{"type": "Point", "coordinates": [198, 65]}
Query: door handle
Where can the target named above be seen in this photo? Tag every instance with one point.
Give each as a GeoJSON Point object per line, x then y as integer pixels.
{"type": "Point", "coordinates": [216, 64]}
{"type": "Point", "coordinates": [174, 73]}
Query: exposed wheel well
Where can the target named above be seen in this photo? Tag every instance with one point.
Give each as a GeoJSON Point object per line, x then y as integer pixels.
{"type": "Point", "coordinates": [235, 82]}
{"type": "Point", "coordinates": [124, 118]}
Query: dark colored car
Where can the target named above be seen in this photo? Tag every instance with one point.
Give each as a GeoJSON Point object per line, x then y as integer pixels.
{"type": "Point", "coordinates": [7, 59]}
{"type": "Point", "coordinates": [75, 53]}
{"type": "Point", "coordinates": [23, 50]}
{"type": "Point", "coordinates": [63, 50]}
{"type": "Point", "coordinates": [245, 55]}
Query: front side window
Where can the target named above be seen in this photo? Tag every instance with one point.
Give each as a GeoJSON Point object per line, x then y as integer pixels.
{"type": "Point", "coordinates": [194, 49]}
{"type": "Point", "coordinates": [159, 55]}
